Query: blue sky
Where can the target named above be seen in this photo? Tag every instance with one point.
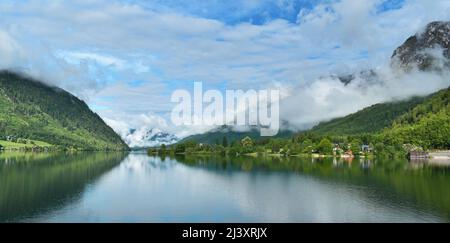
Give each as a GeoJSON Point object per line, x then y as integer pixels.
{"type": "Point", "coordinates": [125, 58]}
{"type": "Point", "coordinates": [256, 12]}
{"type": "Point", "coordinates": [236, 11]}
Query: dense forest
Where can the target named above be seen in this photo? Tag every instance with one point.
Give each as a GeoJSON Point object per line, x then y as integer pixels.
{"type": "Point", "coordinates": [31, 110]}
{"type": "Point", "coordinates": [426, 125]}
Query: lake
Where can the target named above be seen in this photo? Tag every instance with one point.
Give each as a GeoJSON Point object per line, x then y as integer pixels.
{"type": "Point", "coordinates": [121, 187]}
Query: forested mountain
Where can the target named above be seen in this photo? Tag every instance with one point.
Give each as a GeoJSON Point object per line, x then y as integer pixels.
{"type": "Point", "coordinates": [30, 109]}
{"type": "Point", "coordinates": [423, 122]}
{"type": "Point", "coordinates": [369, 120]}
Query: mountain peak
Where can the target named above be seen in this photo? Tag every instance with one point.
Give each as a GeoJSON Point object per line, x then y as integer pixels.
{"type": "Point", "coordinates": [426, 49]}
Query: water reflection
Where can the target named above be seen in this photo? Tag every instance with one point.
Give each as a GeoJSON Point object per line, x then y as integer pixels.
{"type": "Point", "coordinates": [137, 188]}
{"type": "Point", "coordinates": [35, 183]}
{"type": "Point", "coordinates": [423, 188]}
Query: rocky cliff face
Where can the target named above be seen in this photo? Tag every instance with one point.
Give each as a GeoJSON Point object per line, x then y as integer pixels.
{"type": "Point", "coordinates": [428, 50]}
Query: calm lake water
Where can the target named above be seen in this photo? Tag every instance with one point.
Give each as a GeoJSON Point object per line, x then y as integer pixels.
{"type": "Point", "coordinates": [115, 187]}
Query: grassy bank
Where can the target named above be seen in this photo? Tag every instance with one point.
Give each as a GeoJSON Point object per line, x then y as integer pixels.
{"type": "Point", "coordinates": [27, 145]}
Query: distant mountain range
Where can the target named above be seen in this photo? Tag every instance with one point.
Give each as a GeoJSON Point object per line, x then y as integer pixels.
{"type": "Point", "coordinates": [144, 137]}
{"type": "Point", "coordinates": [30, 109]}
{"type": "Point", "coordinates": [216, 135]}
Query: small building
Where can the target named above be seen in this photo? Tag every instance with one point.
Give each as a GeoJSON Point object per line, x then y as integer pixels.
{"type": "Point", "coordinates": [366, 149]}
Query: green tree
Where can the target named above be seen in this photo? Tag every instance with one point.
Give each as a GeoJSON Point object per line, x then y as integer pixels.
{"type": "Point", "coordinates": [307, 146]}
{"type": "Point", "coordinates": [225, 142]}
{"type": "Point", "coordinates": [325, 146]}
{"type": "Point", "coordinates": [275, 146]}
{"type": "Point", "coordinates": [247, 145]}
{"type": "Point", "coordinates": [180, 148]}
{"type": "Point", "coordinates": [356, 146]}
{"type": "Point", "coordinates": [162, 149]}
{"type": "Point", "coordinates": [247, 142]}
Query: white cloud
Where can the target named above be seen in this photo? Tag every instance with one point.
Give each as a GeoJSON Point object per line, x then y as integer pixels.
{"type": "Point", "coordinates": [9, 50]}
{"type": "Point", "coordinates": [77, 57]}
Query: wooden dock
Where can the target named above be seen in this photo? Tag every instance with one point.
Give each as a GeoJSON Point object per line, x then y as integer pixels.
{"type": "Point", "coordinates": [418, 155]}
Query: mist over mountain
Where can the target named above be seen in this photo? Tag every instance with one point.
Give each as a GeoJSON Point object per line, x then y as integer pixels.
{"type": "Point", "coordinates": [148, 137]}
{"type": "Point", "coordinates": [428, 50]}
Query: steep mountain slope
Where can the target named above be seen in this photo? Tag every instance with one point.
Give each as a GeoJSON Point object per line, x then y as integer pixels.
{"type": "Point", "coordinates": [369, 120]}
{"type": "Point", "coordinates": [423, 122]}
{"type": "Point", "coordinates": [32, 110]}
{"type": "Point", "coordinates": [426, 125]}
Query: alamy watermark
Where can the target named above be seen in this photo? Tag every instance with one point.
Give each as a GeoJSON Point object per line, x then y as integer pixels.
{"type": "Point", "coordinates": [236, 108]}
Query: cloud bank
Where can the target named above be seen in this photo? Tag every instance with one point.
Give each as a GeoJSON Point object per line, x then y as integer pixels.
{"type": "Point", "coordinates": [328, 98]}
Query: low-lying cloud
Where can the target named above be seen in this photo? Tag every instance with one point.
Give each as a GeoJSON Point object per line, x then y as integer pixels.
{"type": "Point", "coordinates": [327, 98]}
